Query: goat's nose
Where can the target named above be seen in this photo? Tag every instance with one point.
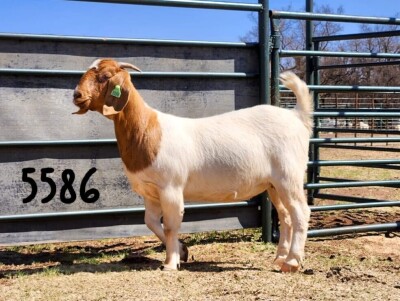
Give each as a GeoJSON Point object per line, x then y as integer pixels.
{"type": "Point", "coordinates": [77, 94]}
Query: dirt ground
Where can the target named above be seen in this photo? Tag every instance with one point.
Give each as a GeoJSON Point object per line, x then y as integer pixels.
{"type": "Point", "coordinates": [232, 265]}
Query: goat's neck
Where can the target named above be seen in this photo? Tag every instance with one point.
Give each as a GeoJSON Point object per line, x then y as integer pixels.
{"type": "Point", "coordinates": [138, 133]}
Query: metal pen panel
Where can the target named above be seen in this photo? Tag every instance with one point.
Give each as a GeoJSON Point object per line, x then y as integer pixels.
{"type": "Point", "coordinates": [312, 55]}
{"type": "Point", "coordinates": [210, 78]}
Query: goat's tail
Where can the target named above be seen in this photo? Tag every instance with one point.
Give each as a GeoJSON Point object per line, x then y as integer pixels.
{"type": "Point", "coordinates": [304, 104]}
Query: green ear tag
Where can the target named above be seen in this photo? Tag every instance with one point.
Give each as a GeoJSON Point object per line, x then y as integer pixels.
{"type": "Point", "coordinates": [116, 92]}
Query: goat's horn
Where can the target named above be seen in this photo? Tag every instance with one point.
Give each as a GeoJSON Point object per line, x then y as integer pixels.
{"type": "Point", "coordinates": [127, 65]}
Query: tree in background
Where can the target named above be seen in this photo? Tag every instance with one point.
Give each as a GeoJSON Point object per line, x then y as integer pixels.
{"type": "Point", "coordinates": [293, 35]}
{"type": "Point", "coordinates": [293, 38]}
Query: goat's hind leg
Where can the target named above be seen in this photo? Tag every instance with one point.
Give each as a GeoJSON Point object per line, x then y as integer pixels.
{"type": "Point", "coordinates": [300, 214]}
{"type": "Point", "coordinates": [295, 202]}
{"type": "Point", "coordinates": [285, 227]}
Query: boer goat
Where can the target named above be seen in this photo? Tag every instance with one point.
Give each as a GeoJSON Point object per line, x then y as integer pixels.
{"type": "Point", "coordinates": [228, 157]}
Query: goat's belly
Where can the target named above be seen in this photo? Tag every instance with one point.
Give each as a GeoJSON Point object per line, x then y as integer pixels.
{"type": "Point", "coordinates": [223, 193]}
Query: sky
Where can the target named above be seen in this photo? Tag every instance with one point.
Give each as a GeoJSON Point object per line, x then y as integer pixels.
{"type": "Point", "coordinates": [61, 17]}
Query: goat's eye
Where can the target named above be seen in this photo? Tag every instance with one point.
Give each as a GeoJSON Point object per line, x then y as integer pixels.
{"type": "Point", "coordinates": [104, 77]}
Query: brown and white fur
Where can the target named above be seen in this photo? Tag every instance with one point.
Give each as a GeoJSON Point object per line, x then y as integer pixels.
{"type": "Point", "coordinates": [224, 158]}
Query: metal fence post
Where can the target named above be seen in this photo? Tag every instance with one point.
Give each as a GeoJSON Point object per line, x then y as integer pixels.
{"type": "Point", "coordinates": [275, 47]}
{"type": "Point", "coordinates": [315, 147]}
{"type": "Point", "coordinates": [263, 40]}
{"type": "Point", "coordinates": [275, 101]}
{"type": "Point", "coordinates": [313, 151]}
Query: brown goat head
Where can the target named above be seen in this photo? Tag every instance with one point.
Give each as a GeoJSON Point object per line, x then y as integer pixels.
{"type": "Point", "coordinates": [104, 87]}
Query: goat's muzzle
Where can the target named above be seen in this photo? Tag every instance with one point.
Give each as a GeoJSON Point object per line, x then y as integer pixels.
{"type": "Point", "coordinates": [83, 104]}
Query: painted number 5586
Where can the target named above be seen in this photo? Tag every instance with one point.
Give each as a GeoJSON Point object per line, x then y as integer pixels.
{"type": "Point", "coordinates": [68, 177]}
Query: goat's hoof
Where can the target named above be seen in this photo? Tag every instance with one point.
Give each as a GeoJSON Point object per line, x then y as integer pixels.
{"type": "Point", "coordinates": [167, 268]}
{"type": "Point", "coordinates": [279, 261]}
{"type": "Point", "coordinates": [290, 266]}
{"type": "Point", "coordinates": [184, 253]}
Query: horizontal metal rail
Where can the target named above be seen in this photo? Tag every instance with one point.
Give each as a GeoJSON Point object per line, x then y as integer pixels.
{"type": "Point", "coordinates": [336, 180]}
{"type": "Point", "coordinates": [292, 53]}
{"type": "Point", "coordinates": [356, 113]}
{"type": "Point", "coordinates": [361, 65]}
{"type": "Point", "coordinates": [191, 207]}
{"type": "Point", "coordinates": [330, 180]}
{"type": "Point", "coordinates": [46, 72]}
{"type": "Point", "coordinates": [357, 131]}
{"type": "Point", "coordinates": [195, 74]}
{"type": "Point", "coordinates": [354, 229]}
{"type": "Point", "coordinates": [152, 42]}
{"type": "Point", "coordinates": [361, 163]}
{"type": "Point", "coordinates": [87, 142]}
{"type": "Point", "coordinates": [334, 18]}
{"type": "Point", "coordinates": [387, 183]}
{"type": "Point", "coordinates": [362, 148]}
{"type": "Point", "coordinates": [377, 166]}
{"type": "Point", "coordinates": [188, 4]}
{"type": "Point", "coordinates": [352, 199]}
{"type": "Point", "coordinates": [354, 206]}
{"type": "Point", "coordinates": [328, 88]}
{"type": "Point", "coordinates": [357, 36]}
{"type": "Point", "coordinates": [353, 162]}
{"type": "Point", "coordinates": [354, 140]}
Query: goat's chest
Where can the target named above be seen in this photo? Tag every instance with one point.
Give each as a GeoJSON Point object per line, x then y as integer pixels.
{"type": "Point", "coordinates": [142, 185]}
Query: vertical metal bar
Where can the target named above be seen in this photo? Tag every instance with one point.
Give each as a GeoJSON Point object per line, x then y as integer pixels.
{"type": "Point", "coordinates": [313, 151]}
{"type": "Point", "coordinates": [275, 41]}
{"type": "Point", "coordinates": [263, 39]}
{"type": "Point", "coordinates": [314, 172]}
{"type": "Point", "coordinates": [275, 46]}
{"type": "Point", "coordinates": [309, 43]}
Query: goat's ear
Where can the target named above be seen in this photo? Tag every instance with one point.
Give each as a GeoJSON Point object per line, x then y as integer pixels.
{"type": "Point", "coordinates": [117, 94]}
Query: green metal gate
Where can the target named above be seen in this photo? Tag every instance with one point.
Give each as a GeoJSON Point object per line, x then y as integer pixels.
{"type": "Point", "coordinates": [315, 182]}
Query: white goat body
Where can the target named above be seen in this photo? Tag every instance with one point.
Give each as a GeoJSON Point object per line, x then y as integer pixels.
{"type": "Point", "coordinates": [228, 157]}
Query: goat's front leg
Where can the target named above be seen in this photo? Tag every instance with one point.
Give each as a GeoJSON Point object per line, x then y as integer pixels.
{"type": "Point", "coordinates": [153, 222]}
{"type": "Point", "coordinates": [172, 206]}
